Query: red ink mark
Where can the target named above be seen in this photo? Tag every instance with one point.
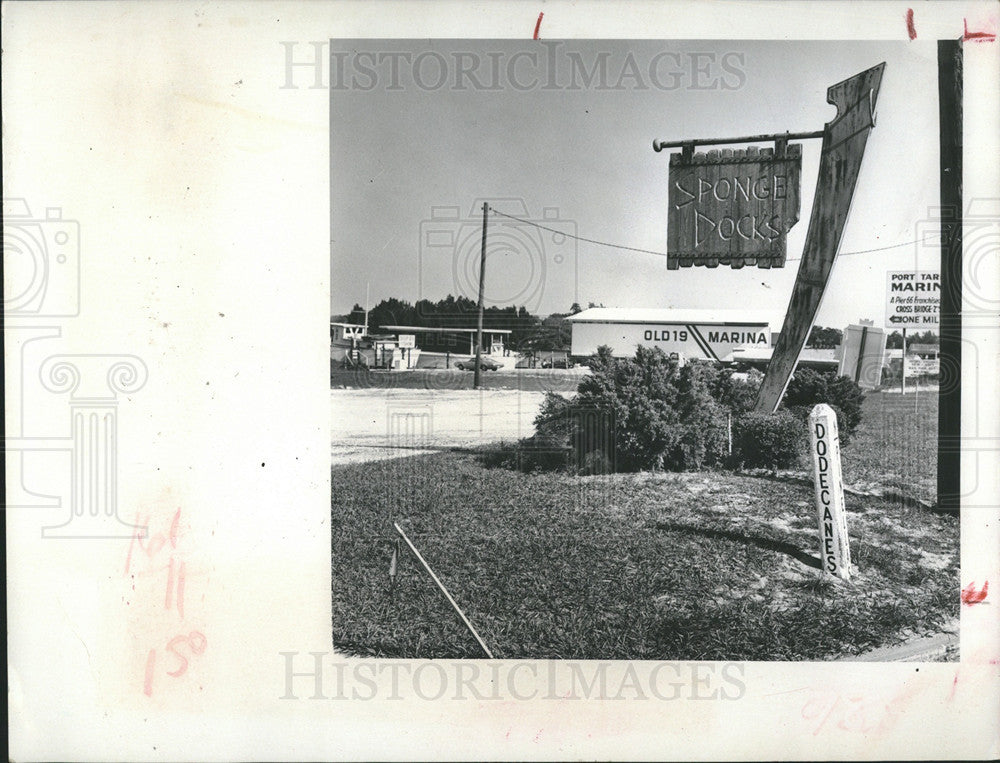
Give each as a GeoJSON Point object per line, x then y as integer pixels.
{"type": "Point", "coordinates": [180, 591]}
{"type": "Point", "coordinates": [538, 25]}
{"type": "Point", "coordinates": [173, 529]}
{"type": "Point", "coordinates": [131, 543]}
{"type": "Point", "coordinates": [196, 642]}
{"type": "Point", "coordinates": [971, 596]}
{"type": "Point", "coordinates": [853, 713]}
{"type": "Point", "coordinates": [976, 36]}
{"type": "Point", "coordinates": [910, 28]}
{"type": "Point", "coordinates": [147, 687]}
{"type": "Point", "coordinates": [954, 685]}
{"type": "Point", "coordinates": [170, 585]}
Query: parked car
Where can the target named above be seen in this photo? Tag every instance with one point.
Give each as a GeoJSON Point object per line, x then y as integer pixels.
{"type": "Point", "coordinates": [557, 363]}
{"type": "Point", "coordinates": [485, 364]}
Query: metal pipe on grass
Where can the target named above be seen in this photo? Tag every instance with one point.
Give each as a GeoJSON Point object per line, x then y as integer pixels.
{"type": "Point", "coordinates": [444, 590]}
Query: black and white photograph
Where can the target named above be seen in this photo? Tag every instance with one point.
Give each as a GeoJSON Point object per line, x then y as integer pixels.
{"type": "Point", "coordinates": [436, 380]}
{"type": "Point", "coordinates": [616, 376]}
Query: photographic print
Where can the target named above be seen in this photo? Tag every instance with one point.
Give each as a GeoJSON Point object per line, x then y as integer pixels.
{"type": "Point", "coordinates": [444, 380]}
{"type": "Point", "coordinates": [615, 375]}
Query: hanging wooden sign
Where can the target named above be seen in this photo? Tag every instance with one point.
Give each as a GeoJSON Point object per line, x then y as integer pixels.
{"type": "Point", "coordinates": [733, 207]}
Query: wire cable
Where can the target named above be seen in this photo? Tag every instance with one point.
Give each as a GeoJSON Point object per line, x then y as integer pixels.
{"type": "Point", "coordinates": [663, 254]}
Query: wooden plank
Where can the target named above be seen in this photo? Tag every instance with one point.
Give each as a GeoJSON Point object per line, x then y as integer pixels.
{"type": "Point", "coordinates": [844, 141]}
{"type": "Point", "coordinates": [733, 207]}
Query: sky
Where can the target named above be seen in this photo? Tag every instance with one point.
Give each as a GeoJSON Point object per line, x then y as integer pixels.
{"type": "Point", "coordinates": [422, 131]}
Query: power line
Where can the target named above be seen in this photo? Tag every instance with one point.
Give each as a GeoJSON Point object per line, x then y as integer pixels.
{"type": "Point", "coordinates": [663, 254]}
{"type": "Point", "coordinates": [578, 238]}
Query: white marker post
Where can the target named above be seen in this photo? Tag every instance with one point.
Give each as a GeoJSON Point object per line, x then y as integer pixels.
{"type": "Point", "coordinates": [835, 551]}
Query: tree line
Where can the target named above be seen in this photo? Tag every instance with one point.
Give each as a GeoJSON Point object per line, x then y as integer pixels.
{"type": "Point", "coordinates": [528, 332]}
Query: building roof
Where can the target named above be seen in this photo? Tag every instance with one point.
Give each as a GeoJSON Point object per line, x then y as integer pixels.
{"type": "Point", "coordinates": [677, 315]}
{"type": "Point", "coordinates": [347, 325]}
{"type": "Point", "coordinates": [808, 355]}
{"type": "Point", "coordinates": [434, 330]}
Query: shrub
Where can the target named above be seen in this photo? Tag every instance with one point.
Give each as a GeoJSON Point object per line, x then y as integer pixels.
{"type": "Point", "coordinates": [529, 454]}
{"type": "Point", "coordinates": [808, 388]}
{"type": "Point", "coordinates": [772, 440]}
{"type": "Point", "coordinates": [638, 398]}
{"type": "Point", "coordinates": [646, 413]}
{"type": "Point", "coordinates": [702, 428]}
{"type": "Point", "coordinates": [736, 391]}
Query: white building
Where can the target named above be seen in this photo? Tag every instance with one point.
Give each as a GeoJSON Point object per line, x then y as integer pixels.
{"type": "Point", "coordinates": [681, 333]}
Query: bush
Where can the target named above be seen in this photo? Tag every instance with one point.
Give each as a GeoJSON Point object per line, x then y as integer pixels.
{"type": "Point", "coordinates": [771, 440]}
{"type": "Point", "coordinates": [645, 413]}
{"type": "Point", "coordinates": [702, 429]}
{"type": "Point", "coordinates": [529, 454]}
{"type": "Point", "coordinates": [808, 388]}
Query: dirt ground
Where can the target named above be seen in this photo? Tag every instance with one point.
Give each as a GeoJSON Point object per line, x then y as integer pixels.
{"type": "Point", "coordinates": [373, 424]}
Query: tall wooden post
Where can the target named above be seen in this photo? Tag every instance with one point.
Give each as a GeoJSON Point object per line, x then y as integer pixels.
{"type": "Point", "coordinates": [949, 459]}
{"type": "Point", "coordinates": [844, 142]}
{"type": "Point", "coordinates": [479, 320]}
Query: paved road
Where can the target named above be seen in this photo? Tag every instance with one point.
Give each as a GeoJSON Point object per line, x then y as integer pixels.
{"type": "Point", "coordinates": [375, 424]}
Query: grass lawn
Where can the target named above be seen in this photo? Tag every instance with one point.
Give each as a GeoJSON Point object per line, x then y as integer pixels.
{"type": "Point", "coordinates": [633, 566]}
{"type": "Point", "coordinates": [895, 445]}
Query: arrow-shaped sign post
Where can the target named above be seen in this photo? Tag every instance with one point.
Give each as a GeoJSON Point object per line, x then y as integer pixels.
{"type": "Point", "coordinates": [844, 141]}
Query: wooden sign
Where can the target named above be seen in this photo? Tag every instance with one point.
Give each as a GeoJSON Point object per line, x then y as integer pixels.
{"type": "Point", "coordinates": [844, 141]}
{"type": "Point", "coordinates": [407, 341]}
{"type": "Point", "coordinates": [835, 550]}
{"type": "Point", "coordinates": [733, 207]}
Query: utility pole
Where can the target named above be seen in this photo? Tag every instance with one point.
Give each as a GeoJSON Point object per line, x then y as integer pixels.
{"type": "Point", "coordinates": [902, 386]}
{"type": "Point", "coordinates": [949, 456]}
{"type": "Point", "coordinates": [367, 299]}
{"type": "Point", "coordinates": [479, 320]}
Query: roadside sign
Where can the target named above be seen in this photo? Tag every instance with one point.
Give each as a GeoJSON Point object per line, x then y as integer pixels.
{"type": "Point", "coordinates": [678, 340]}
{"type": "Point", "coordinates": [922, 366]}
{"type": "Point", "coordinates": [912, 299]}
{"type": "Point", "coordinates": [407, 341]}
{"type": "Point", "coordinates": [733, 207]}
{"type": "Point", "coordinates": [834, 545]}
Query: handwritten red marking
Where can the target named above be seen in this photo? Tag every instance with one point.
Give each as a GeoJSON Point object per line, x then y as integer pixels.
{"type": "Point", "coordinates": [195, 641]}
{"type": "Point", "coordinates": [852, 713]}
{"type": "Point", "coordinates": [954, 685]}
{"type": "Point", "coordinates": [170, 585]}
{"type": "Point", "coordinates": [910, 28]}
{"type": "Point", "coordinates": [180, 591]}
{"type": "Point", "coordinates": [971, 596]}
{"type": "Point", "coordinates": [182, 648]}
{"type": "Point", "coordinates": [173, 528]}
{"type": "Point", "coordinates": [147, 687]}
{"type": "Point", "coordinates": [976, 36]}
{"type": "Point", "coordinates": [538, 25]}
